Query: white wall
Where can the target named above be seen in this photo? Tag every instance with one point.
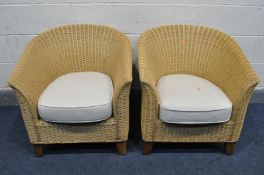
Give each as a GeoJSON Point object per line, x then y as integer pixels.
{"type": "Point", "coordinates": [20, 20]}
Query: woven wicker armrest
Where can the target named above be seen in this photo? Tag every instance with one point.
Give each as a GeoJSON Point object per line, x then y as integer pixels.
{"type": "Point", "coordinates": [119, 68]}
{"type": "Point", "coordinates": [149, 75]}
{"type": "Point", "coordinates": [234, 74]}
{"type": "Point", "coordinates": [236, 77]}
{"type": "Point", "coordinates": [32, 74]}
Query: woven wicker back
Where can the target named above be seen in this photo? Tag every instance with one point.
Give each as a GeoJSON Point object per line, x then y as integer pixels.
{"type": "Point", "coordinates": [186, 49]}
{"type": "Point", "coordinates": [80, 47]}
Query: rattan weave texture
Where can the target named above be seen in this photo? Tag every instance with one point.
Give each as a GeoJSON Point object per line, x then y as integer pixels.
{"type": "Point", "coordinates": [199, 51]}
{"type": "Point", "coordinates": [74, 48]}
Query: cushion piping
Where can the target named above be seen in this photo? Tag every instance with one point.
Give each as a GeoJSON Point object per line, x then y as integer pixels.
{"type": "Point", "coordinates": [74, 107]}
{"type": "Point", "coordinates": [170, 109]}
{"type": "Point", "coordinates": [194, 123]}
{"type": "Point", "coordinates": [71, 121]}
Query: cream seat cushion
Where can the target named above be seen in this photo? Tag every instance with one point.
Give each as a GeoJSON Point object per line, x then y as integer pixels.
{"type": "Point", "coordinates": [76, 98]}
{"type": "Point", "coordinates": [188, 99]}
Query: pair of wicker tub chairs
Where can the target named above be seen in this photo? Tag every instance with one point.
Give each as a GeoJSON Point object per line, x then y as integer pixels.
{"type": "Point", "coordinates": [172, 49]}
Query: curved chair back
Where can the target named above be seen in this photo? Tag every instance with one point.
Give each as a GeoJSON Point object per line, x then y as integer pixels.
{"type": "Point", "coordinates": [81, 47]}
{"type": "Point", "coordinates": [188, 49]}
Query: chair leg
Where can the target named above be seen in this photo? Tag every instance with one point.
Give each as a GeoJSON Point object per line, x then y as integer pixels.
{"type": "Point", "coordinates": [230, 147]}
{"type": "Point", "coordinates": [147, 147]}
{"type": "Point", "coordinates": [38, 149]}
{"type": "Point", "coordinates": [121, 147]}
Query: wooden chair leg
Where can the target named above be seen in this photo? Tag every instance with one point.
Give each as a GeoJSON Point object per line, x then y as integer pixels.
{"type": "Point", "coordinates": [121, 147]}
{"type": "Point", "coordinates": [147, 147]}
{"type": "Point", "coordinates": [230, 147]}
{"type": "Point", "coordinates": [38, 149]}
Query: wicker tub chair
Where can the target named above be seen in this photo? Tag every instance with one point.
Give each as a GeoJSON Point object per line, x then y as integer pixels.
{"type": "Point", "coordinates": [74, 48]}
{"type": "Point", "coordinates": [199, 51]}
